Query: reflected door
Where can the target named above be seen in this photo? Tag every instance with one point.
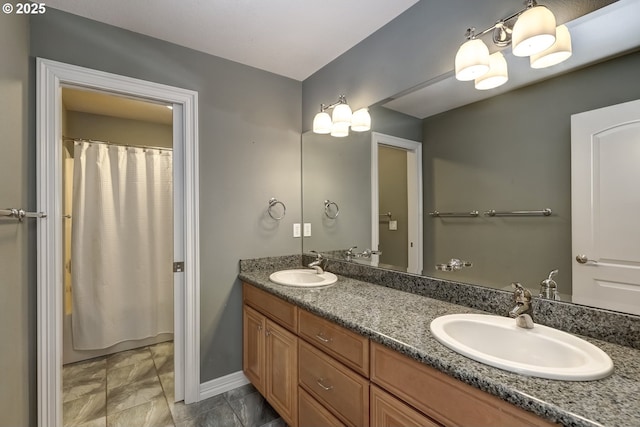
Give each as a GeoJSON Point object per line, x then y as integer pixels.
{"type": "Point", "coordinates": [605, 159]}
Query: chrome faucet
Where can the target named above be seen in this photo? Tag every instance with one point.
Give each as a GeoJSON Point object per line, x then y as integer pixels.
{"type": "Point", "coordinates": [317, 264]}
{"type": "Point", "coordinates": [549, 287]}
{"type": "Point", "coordinates": [523, 311]}
{"type": "Point", "coordinates": [349, 254]}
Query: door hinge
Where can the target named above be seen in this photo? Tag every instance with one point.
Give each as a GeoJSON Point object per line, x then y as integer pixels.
{"type": "Point", "coordinates": [178, 267]}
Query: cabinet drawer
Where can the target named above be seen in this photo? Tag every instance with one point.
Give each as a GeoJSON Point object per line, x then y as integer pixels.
{"type": "Point", "coordinates": [387, 411]}
{"type": "Point", "coordinates": [334, 385]}
{"type": "Point", "coordinates": [346, 346]}
{"type": "Point", "coordinates": [313, 414]}
{"type": "Point", "coordinates": [445, 399]}
{"type": "Point", "coordinates": [270, 305]}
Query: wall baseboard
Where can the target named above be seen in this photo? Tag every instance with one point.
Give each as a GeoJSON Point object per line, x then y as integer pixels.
{"type": "Point", "coordinates": [222, 384]}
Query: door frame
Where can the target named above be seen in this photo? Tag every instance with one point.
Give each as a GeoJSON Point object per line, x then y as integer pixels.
{"type": "Point", "coordinates": [414, 193]}
{"type": "Point", "coordinates": [51, 77]}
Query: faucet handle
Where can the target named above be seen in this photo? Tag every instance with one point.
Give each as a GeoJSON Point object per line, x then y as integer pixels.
{"type": "Point", "coordinates": [318, 254]}
{"type": "Point", "coordinates": [521, 294]}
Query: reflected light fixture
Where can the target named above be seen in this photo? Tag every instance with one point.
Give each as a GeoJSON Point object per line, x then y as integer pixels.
{"type": "Point", "coordinates": [558, 52]}
{"type": "Point", "coordinates": [341, 119]}
{"type": "Point", "coordinates": [531, 32]}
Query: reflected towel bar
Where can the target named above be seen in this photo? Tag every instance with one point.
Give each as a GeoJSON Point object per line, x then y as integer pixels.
{"type": "Point", "coordinates": [21, 214]}
{"type": "Point", "coordinates": [472, 214]}
{"type": "Point", "coordinates": [543, 212]}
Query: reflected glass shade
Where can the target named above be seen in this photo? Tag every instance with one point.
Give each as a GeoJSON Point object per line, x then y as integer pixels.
{"type": "Point", "coordinates": [497, 74]}
{"type": "Point", "coordinates": [534, 31]}
{"type": "Point", "coordinates": [361, 120]}
{"type": "Point", "coordinates": [340, 130]}
{"type": "Point", "coordinates": [322, 123]}
{"type": "Point", "coordinates": [558, 52]}
{"type": "Point", "coordinates": [472, 60]}
{"type": "Point", "coordinates": [342, 114]}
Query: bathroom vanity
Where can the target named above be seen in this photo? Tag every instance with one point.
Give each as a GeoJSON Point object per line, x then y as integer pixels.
{"type": "Point", "coordinates": [360, 354]}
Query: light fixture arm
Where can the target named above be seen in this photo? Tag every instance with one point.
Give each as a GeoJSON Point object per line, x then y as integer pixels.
{"type": "Point", "coordinates": [504, 37]}
{"type": "Point", "coordinates": [341, 100]}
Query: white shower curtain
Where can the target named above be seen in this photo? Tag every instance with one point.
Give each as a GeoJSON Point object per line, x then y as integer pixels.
{"type": "Point", "coordinates": [121, 245]}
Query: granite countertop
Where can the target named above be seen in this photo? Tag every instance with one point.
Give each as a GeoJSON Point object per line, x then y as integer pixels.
{"type": "Point", "coordinates": [400, 320]}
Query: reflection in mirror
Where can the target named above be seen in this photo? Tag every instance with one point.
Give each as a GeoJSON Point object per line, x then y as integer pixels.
{"type": "Point", "coordinates": [509, 152]}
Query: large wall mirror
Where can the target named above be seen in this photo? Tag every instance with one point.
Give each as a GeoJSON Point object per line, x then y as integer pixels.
{"type": "Point", "coordinates": [509, 152]}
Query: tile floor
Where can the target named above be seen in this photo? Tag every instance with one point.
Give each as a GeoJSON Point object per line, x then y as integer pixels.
{"type": "Point", "coordinates": [135, 388]}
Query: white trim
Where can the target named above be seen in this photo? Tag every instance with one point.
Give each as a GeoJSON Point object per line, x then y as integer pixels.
{"type": "Point", "coordinates": [51, 76]}
{"type": "Point", "coordinates": [222, 384]}
{"type": "Point", "coordinates": [414, 191]}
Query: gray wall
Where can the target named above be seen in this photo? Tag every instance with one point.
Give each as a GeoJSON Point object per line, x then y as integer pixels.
{"type": "Point", "coordinates": [513, 152]}
{"type": "Point", "coordinates": [17, 272]}
{"type": "Point", "coordinates": [248, 154]}
{"type": "Point", "coordinates": [392, 197]}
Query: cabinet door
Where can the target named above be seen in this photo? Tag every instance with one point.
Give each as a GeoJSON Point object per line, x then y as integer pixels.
{"type": "Point", "coordinates": [253, 344]}
{"type": "Point", "coordinates": [282, 371]}
{"type": "Point", "coordinates": [313, 414]}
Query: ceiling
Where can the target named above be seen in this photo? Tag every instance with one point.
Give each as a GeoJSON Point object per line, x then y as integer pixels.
{"type": "Point", "coordinates": [292, 38]}
{"type": "Point", "coordinates": [88, 101]}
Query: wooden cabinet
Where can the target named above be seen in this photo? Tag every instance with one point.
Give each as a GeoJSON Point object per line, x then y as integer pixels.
{"type": "Point", "coordinates": [338, 388]}
{"type": "Point", "coordinates": [346, 346]}
{"type": "Point", "coordinates": [253, 347]}
{"type": "Point", "coordinates": [442, 398]}
{"type": "Point", "coordinates": [270, 351]}
{"type": "Point", "coordinates": [387, 411]}
{"type": "Point", "coordinates": [313, 414]}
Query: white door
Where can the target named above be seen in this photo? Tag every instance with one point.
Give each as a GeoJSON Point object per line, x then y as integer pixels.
{"type": "Point", "coordinates": [605, 186]}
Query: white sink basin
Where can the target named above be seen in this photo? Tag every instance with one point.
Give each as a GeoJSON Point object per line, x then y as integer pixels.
{"type": "Point", "coordinates": [540, 352]}
{"type": "Point", "coordinates": [303, 278]}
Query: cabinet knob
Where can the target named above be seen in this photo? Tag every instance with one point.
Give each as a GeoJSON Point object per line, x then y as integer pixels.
{"type": "Point", "coordinates": [268, 332]}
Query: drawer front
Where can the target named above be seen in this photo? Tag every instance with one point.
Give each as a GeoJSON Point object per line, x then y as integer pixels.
{"type": "Point", "coordinates": [334, 385]}
{"type": "Point", "coordinates": [445, 399]}
{"type": "Point", "coordinates": [270, 305]}
{"type": "Point", "coordinates": [387, 411]}
{"type": "Point", "coordinates": [313, 414]}
{"type": "Point", "coordinates": [346, 346]}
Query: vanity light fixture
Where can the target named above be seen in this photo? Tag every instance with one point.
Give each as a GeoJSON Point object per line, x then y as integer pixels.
{"type": "Point", "coordinates": [341, 120]}
{"type": "Point", "coordinates": [531, 31]}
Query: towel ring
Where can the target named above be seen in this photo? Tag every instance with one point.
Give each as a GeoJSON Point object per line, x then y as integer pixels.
{"type": "Point", "coordinates": [273, 202]}
{"type": "Point", "coordinates": [327, 205]}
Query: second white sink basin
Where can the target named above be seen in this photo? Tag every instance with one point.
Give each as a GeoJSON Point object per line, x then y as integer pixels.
{"type": "Point", "coordinates": [304, 278]}
{"type": "Point", "coordinates": [540, 352]}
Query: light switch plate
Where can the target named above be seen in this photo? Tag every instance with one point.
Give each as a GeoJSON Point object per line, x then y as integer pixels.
{"type": "Point", "coordinates": [393, 225]}
{"type": "Point", "coordinates": [296, 230]}
{"type": "Point", "coordinates": [307, 229]}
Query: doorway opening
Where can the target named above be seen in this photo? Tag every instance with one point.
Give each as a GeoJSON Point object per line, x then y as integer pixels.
{"type": "Point", "coordinates": [52, 77]}
{"type": "Point", "coordinates": [396, 202]}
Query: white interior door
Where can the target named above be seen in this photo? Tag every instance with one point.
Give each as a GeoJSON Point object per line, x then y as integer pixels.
{"type": "Point", "coordinates": [605, 175]}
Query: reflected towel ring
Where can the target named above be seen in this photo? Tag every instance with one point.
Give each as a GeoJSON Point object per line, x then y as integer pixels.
{"type": "Point", "coordinates": [273, 202]}
{"type": "Point", "coordinates": [327, 205]}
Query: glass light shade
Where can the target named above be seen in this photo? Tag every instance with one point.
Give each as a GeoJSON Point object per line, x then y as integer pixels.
{"type": "Point", "coordinates": [361, 120]}
{"type": "Point", "coordinates": [342, 114]}
{"type": "Point", "coordinates": [558, 52]}
{"type": "Point", "coordinates": [472, 60]}
{"type": "Point", "coordinates": [497, 74]}
{"type": "Point", "coordinates": [340, 130]}
{"type": "Point", "coordinates": [322, 123]}
{"type": "Point", "coordinates": [534, 31]}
